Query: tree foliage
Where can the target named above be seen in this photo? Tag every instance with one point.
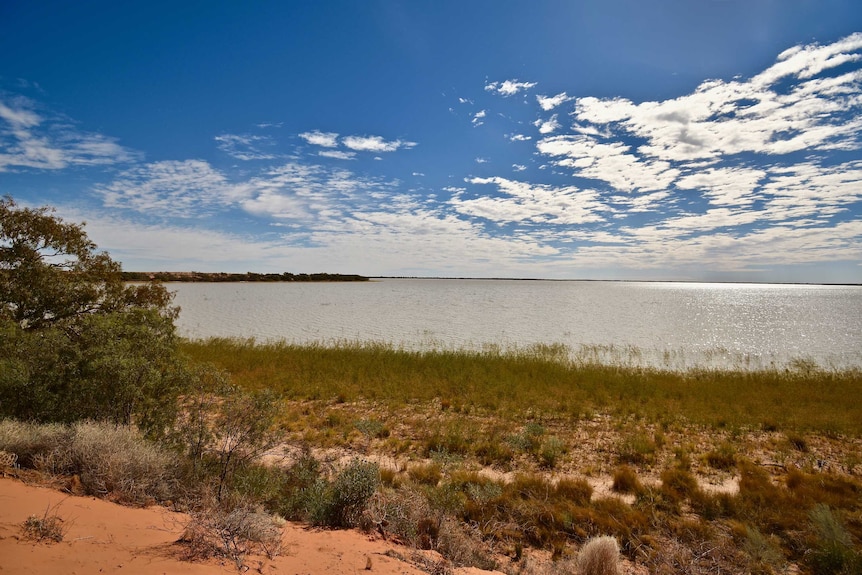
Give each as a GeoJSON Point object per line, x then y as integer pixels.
{"type": "Point", "coordinates": [77, 342]}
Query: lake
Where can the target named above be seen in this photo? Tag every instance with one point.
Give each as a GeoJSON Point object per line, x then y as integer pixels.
{"type": "Point", "coordinates": [676, 325]}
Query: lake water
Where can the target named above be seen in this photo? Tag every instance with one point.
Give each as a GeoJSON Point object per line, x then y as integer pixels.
{"type": "Point", "coordinates": [676, 325]}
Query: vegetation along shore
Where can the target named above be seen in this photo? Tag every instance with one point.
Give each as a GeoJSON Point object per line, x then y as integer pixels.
{"type": "Point", "coordinates": [522, 461]}
{"type": "Point", "coordinates": [231, 277]}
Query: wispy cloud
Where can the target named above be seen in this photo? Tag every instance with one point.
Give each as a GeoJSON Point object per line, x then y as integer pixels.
{"type": "Point", "coordinates": [337, 154]}
{"type": "Point", "coordinates": [176, 189]}
{"type": "Point", "coordinates": [245, 146]}
{"type": "Point", "coordinates": [29, 139]}
{"type": "Point", "coordinates": [508, 88]}
{"type": "Point", "coordinates": [478, 117]}
{"type": "Point", "coordinates": [522, 201]}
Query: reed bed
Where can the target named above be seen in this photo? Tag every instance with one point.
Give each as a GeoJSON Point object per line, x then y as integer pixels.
{"type": "Point", "coordinates": [545, 380]}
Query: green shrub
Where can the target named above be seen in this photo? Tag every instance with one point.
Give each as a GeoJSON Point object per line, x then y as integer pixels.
{"type": "Point", "coordinates": [348, 494]}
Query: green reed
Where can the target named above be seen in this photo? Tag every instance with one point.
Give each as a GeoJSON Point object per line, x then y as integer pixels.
{"type": "Point", "coordinates": [545, 380]}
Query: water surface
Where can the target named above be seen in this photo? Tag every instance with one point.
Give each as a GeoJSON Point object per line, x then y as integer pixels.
{"type": "Point", "coordinates": [676, 325]}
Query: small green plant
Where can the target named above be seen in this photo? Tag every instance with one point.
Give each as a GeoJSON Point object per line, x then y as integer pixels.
{"type": "Point", "coordinates": [372, 428]}
{"type": "Point", "coordinates": [551, 451]}
{"type": "Point", "coordinates": [763, 552]}
{"type": "Point", "coordinates": [637, 449]}
{"type": "Point", "coordinates": [833, 552]}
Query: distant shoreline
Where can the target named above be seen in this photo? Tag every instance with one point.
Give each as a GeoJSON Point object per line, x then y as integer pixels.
{"type": "Point", "coordinates": [215, 277]}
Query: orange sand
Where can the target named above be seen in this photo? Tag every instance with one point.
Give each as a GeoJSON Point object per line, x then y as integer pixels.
{"type": "Point", "coordinates": [102, 537]}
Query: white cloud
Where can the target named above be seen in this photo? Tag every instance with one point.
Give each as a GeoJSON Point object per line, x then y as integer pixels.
{"type": "Point", "coordinates": [519, 167]}
{"type": "Point", "coordinates": [609, 162]}
{"type": "Point", "coordinates": [725, 186]}
{"type": "Point", "coordinates": [31, 140]}
{"type": "Point", "coordinates": [523, 201]}
{"type": "Point", "coordinates": [757, 116]}
{"type": "Point", "coordinates": [520, 138]}
{"type": "Point", "coordinates": [171, 189]}
{"type": "Point", "coordinates": [477, 118]}
{"type": "Point", "coordinates": [318, 138]}
{"type": "Point", "coordinates": [374, 144]}
{"type": "Point", "coordinates": [508, 87]}
{"type": "Point", "coordinates": [547, 126]}
{"type": "Point", "coordinates": [548, 103]}
{"type": "Point", "coordinates": [337, 154]}
{"type": "Point", "coordinates": [245, 146]}
{"type": "Point", "coordinates": [481, 160]}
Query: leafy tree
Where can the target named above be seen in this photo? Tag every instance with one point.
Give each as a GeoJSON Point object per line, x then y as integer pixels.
{"type": "Point", "coordinates": [76, 342]}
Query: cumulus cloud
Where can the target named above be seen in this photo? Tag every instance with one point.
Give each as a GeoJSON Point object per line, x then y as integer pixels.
{"type": "Point", "coordinates": [547, 126]}
{"type": "Point", "coordinates": [548, 103]}
{"type": "Point", "coordinates": [318, 138]}
{"type": "Point", "coordinates": [375, 144]}
{"type": "Point", "coordinates": [477, 118]}
{"type": "Point", "coordinates": [508, 88]}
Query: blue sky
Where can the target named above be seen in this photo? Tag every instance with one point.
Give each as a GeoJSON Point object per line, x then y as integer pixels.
{"type": "Point", "coordinates": [704, 140]}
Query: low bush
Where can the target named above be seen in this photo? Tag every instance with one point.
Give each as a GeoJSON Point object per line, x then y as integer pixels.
{"type": "Point", "coordinates": [346, 498]}
{"type": "Point", "coordinates": [107, 458]}
{"type": "Point", "coordinates": [232, 531]}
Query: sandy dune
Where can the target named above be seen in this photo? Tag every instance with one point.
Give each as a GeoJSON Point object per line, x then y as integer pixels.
{"type": "Point", "coordinates": [102, 537]}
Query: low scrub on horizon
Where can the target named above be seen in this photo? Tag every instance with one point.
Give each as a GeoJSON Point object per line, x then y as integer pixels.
{"type": "Point", "coordinates": [543, 379]}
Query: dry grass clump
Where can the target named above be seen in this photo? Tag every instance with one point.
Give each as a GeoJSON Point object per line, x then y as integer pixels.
{"type": "Point", "coordinates": [107, 458]}
{"type": "Point", "coordinates": [625, 480]}
{"type": "Point", "coordinates": [232, 531]}
{"type": "Point", "coordinates": [31, 440]}
{"type": "Point", "coordinates": [599, 556]}
{"type": "Point", "coordinates": [47, 527]}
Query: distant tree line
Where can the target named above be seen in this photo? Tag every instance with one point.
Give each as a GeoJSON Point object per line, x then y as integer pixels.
{"type": "Point", "coordinates": [246, 277]}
